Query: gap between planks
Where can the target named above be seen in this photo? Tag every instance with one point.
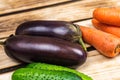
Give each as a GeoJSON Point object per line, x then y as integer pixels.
{"type": "Point", "coordinates": [36, 7]}
{"type": "Point", "coordinates": [8, 6]}
{"type": "Point", "coordinates": [18, 6]}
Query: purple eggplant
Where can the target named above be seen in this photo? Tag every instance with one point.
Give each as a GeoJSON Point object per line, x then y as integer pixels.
{"type": "Point", "coordinates": [59, 29]}
{"type": "Point", "coordinates": [44, 49]}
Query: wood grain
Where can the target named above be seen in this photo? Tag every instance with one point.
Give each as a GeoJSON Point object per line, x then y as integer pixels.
{"type": "Point", "coordinates": [97, 66]}
{"type": "Point", "coordinates": [68, 12]}
{"type": "Point", "coordinates": [11, 6]}
{"type": "Point", "coordinates": [7, 6]}
{"type": "Point", "coordinates": [101, 68]}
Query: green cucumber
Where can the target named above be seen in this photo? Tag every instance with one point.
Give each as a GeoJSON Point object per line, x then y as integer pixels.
{"type": "Point", "coordinates": [34, 74]}
{"type": "Point", "coordinates": [45, 66]}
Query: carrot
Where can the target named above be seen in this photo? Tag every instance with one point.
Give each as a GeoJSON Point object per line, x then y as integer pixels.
{"type": "Point", "coordinates": [107, 44]}
{"type": "Point", "coordinates": [115, 30]}
{"type": "Point", "coordinates": [110, 16]}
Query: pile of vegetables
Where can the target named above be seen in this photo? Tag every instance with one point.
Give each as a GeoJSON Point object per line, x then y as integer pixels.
{"type": "Point", "coordinates": [107, 20]}
{"type": "Point", "coordinates": [56, 42]}
{"type": "Point", "coordinates": [52, 42]}
{"type": "Point", "coordinates": [106, 37]}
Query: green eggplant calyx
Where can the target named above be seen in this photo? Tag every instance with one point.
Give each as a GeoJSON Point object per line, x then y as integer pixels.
{"type": "Point", "coordinates": [82, 43]}
{"type": "Point", "coordinates": [79, 37]}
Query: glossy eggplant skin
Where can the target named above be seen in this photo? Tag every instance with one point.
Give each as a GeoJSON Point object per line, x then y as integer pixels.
{"type": "Point", "coordinates": [58, 29]}
{"type": "Point", "coordinates": [44, 49]}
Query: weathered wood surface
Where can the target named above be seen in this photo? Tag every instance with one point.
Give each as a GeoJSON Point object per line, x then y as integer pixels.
{"type": "Point", "coordinates": [68, 12]}
{"type": "Point", "coordinates": [15, 12]}
{"type": "Point", "coordinates": [8, 6]}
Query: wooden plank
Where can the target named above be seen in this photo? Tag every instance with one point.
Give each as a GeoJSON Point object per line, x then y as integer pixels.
{"type": "Point", "coordinates": [6, 76]}
{"type": "Point", "coordinates": [68, 12]}
{"type": "Point", "coordinates": [7, 6]}
{"type": "Point", "coordinates": [102, 68]}
{"type": "Point", "coordinates": [11, 6]}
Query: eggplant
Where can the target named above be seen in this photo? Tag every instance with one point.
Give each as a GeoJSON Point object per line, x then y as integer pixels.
{"type": "Point", "coordinates": [59, 29]}
{"type": "Point", "coordinates": [44, 49]}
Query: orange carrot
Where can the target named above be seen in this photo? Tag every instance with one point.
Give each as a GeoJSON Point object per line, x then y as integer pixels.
{"type": "Point", "coordinates": [110, 16]}
{"type": "Point", "coordinates": [107, 44]}
{"type": "Point", "coordinates": [115, 30]}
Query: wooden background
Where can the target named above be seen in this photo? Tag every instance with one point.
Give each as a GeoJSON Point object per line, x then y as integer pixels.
{"type": "Point", "coordinates": [15, 12]}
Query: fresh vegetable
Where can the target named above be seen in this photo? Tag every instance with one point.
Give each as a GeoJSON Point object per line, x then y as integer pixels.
{"type": "Point", "coordinates": [59, 29]}
{"type": "Point", "coordinates": [110, 16]}
{"type": "Point", "coordinates": [44, 49]}
{"type": "Point", "coordinates": [45, 66]}
{"type": "Point", "coordinates": [107, 44]}
{"type": "Point", "coordinates": [33, 74]}
{"type": "Point", "coordinates": [115, 30]}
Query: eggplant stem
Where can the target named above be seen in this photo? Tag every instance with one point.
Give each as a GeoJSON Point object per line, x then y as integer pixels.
{"type": "Point", "coordinates": [82, 44]}
{"type": "Point", "coordinates": [80, 37]}
{"type": "Point", "coordinates": [2, 43]}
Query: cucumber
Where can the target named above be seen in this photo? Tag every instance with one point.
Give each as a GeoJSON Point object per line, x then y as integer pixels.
{"type": "Point", "coordinates": [45, 66]}
{"type": "Point", "coordinates": [34, 74]}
